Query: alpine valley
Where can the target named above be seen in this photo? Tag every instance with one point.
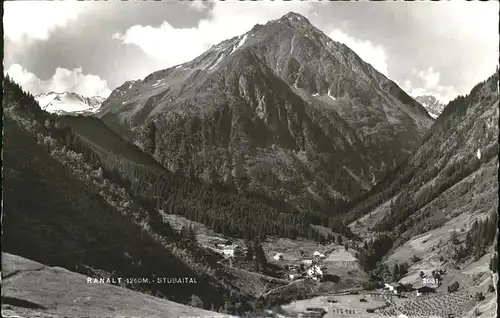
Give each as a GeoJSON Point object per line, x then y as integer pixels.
{"type": "Point", "coordinates": [278, 171]}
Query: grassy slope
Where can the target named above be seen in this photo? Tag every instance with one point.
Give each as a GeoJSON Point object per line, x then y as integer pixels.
{"type": "Point", "coordinates": [57, 292]}
{"type": "Point", "coordinates": [98, 134]}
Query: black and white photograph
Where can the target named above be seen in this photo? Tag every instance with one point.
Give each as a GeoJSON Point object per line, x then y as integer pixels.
{"type": "Point", "coordinates": [210, 159]}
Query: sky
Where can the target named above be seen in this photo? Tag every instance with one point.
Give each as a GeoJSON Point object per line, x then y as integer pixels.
{"type": "Point", "coordinates": [440, 48]}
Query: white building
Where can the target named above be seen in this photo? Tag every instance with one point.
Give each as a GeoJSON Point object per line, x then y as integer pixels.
{"type": "Point", "coordinates": [390, 288]}
{"type": "Point", "coordinates": [315, 272]}
{"type": "Point", "coordinates": [228, 252]}
{"type": "Point", "coordinates": [278, 257]}
{"type": "Point", "coordinates": [307, 261]}
{"type": "Point", "coordinates": [316, 254]}
{"type": "Point", "coordinates": [232, 250]}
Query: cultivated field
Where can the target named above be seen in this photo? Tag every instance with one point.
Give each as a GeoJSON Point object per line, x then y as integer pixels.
{"type": "Point", "coordinates": [438, 304]}
{"type": "Point", "coordinates": [291, 248]}
{"type": "Point", "coordinates": [337, 261]}
{"type": "Point", "coordinates": [346, 305]}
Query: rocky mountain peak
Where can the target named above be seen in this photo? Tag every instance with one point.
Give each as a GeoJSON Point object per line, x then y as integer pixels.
{"type": "Point", "coordinates": [295, 19]}
{"type": "Point", "coordinates": [282, 99]}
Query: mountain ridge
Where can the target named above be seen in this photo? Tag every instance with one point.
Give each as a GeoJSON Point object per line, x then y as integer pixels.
{"type": "Point", "coordinates": [69, 103]}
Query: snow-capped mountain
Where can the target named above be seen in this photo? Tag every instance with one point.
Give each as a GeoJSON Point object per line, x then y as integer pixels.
{"type": "Point", "coordinates": [433, 106]}
{"type": "Point", "coordinates": [69, 103]}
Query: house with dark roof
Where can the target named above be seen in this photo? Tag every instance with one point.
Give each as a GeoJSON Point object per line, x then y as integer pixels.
{"type": "Point", "coordinates": [403, 288]}
{"type": "Point", "coordinates": [426, 290]}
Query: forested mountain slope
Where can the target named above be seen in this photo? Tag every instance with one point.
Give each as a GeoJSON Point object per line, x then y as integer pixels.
{"type": "Point", "coordinates": [62, 207]}
{"type": "Point", "coordinates": [282, 111]}
{"type": "Point", "coordinates": [221, 208]}
{"type": "Point", "coordinates": [450, 182]}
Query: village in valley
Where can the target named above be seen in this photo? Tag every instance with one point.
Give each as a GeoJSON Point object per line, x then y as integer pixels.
{"type": "Point", "coordinates": [304, 278]}
{"type": "Point", "coordinates": [333, 271]}
{"type": "Point", "coordinates": [306, 267]}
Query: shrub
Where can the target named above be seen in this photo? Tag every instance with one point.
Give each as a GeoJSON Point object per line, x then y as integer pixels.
{"type": "Point", "coordinates": [370, 285]}
{"type": "Point", "coordinates": [195, 301]}
{"type": "Point", "coordinates": [479, 296]}
{"type": "Point", "coordinates": [453, 287]}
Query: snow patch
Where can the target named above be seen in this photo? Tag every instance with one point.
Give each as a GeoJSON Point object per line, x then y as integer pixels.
{"type": "Point", "coordinates": [349, 140]}
{"type": "Point", "coordinates": [315, 95]}
{"type": "Point", "coordinates": [260, 110]}
{"type": "Point", "coordinates": [44, 100]}
{"type": "Point", "coordinates": [329, 95]}
{"type": "Point", "coordinates": [158, 83]}
{"type": "Point", "coordinates": [478, 153]}
{"type": "Point", "coordinates": [218, 61]}
{"type": "Point", "coordinates": [242, 41]}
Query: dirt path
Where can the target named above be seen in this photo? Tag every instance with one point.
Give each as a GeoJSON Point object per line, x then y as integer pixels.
{"type": "Point", "coordinates": [277, 288]}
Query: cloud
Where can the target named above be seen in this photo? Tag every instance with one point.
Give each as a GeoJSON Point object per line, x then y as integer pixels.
{"type": "Point", "coordinates": [225, 20]}
{"type": "Point", "coordinates": [63, 80]}
{"type": "Point", "coordinates": [367, 51]}
{"type": "Point", "coordinates": [197, 5]}
{"type": "Point", "coordinates": [429, 77]}
{"type": "Point", "coordinates": [35, 20]}
{"type": "Point", "coordinates": [428, 82]}
{"type": "Point", "coordinates": [24, 78]}
{"type": "Point", "coordinates": [461, 41]}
